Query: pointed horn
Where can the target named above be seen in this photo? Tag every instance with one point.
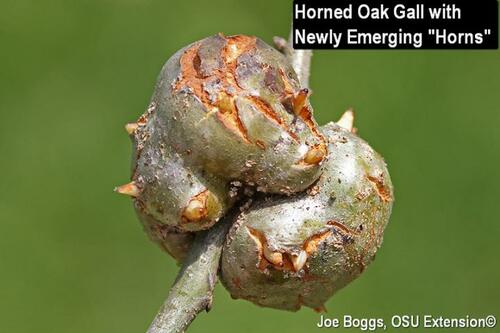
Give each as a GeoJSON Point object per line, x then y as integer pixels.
{"type": "Point", "coordinates": [300, 100]}
{"type": "Point", "coordinates": [195, 210]}
{"type": "Point", "coordinates": [299, 261]}
{"type": "Point", "coordinates": [315, 155]}
{"type": "Point", "coordinates": [275, 258]}
{"type": "Point", "coordinates": [129, 189]}
{"type": "Point", "coordinates": [131, 128]}
{"type": "Point", "coordinates": [346, 121]}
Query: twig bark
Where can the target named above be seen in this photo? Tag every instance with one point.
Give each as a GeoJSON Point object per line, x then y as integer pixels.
{"type": "Point", "coordinates": [300, 59]}
{"type": "Point", "coordinates": [193, 287]}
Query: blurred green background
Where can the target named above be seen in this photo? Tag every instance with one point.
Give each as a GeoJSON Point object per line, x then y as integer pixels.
{"type": "Point", "coordinates": [73, 257]}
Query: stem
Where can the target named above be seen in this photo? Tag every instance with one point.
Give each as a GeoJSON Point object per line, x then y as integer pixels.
{"type": "Point", "coordinates": [195, 282]}
{"type": "Point", "coordinates": [301, 62]}
{"type": "Point", "coordinates": [300, 59]}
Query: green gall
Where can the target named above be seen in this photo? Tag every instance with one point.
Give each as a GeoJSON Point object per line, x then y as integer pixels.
{"type": "Point", "coordinates": [224, 109]}
{"type": "Point", "coordinates": [288, 252]}
{"type": "Point", "coordinates": [233, 106]}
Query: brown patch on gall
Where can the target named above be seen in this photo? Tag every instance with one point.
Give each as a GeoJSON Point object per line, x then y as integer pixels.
{"type": "Point", "coordinates": [383, 191]}
{"type": "Point", "coordinates": [344, 229]}
{"type": "Point", "coordinates": [192, 77]}
{"type": "Point", "coordinates": [228, 115]}
{"type": "Point", "coordinates": [300, 106]}
{"type": "Point", "coordinates": [302, 110]}
{"type": "Point", "coordinates": [268, 111]}
{"type": "Point", "coordinates": [306, 115]}
{"type": "Point", "coordinates": [311, 244]}
{"type": "Point", "coordinates": [222, 103]}
{"type": "Point", "coordinates": [260, 144]}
